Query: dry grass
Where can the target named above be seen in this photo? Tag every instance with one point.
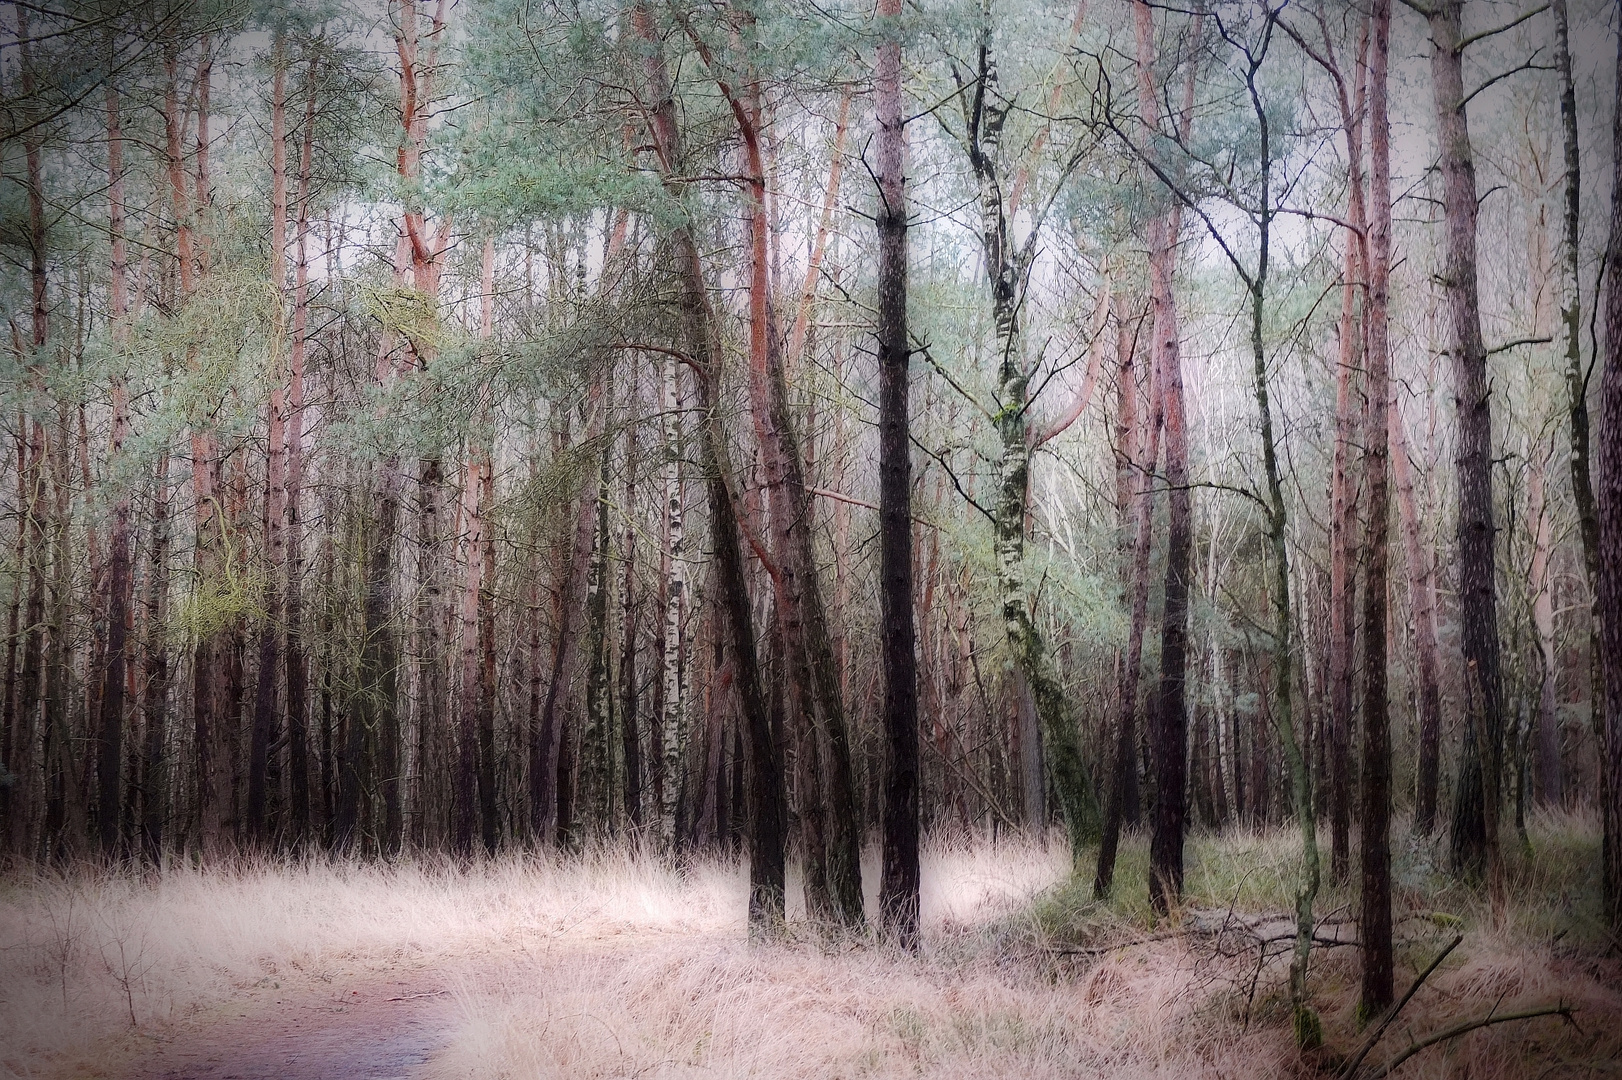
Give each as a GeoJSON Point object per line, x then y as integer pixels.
{"type": "Point", "coordinates": [612, 964]}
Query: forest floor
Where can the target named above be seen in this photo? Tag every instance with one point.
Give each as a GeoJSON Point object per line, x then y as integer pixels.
{"type": "Point", "coordinates": [612, 964]}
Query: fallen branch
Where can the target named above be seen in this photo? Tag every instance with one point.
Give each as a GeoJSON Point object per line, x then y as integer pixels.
{"type": "Point", "coordinates": [1560, 1009]}
{"type": "Point", "coordinates": [1391, 1014]}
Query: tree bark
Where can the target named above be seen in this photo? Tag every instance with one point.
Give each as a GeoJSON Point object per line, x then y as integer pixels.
{"type": "Point", "coordinates": [1475, 848]}
{"type": "Point", "coordinates": [1168, 718]}
{"type": "Point", "coordinates": [898, 882]}
{"type": "Point", "coordinates": [1375, 818]}
{"type": "Point", "coordinates": [1609, 509]}
{"type": "Point", "coordinates": [1121, 802]}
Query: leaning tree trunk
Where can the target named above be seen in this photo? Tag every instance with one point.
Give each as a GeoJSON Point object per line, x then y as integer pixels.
{"type": "Point", "coordinates": [766, 851]}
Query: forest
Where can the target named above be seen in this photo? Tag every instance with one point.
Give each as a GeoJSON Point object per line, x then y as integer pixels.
{"type": "Point", "coordinates": [811, 538]}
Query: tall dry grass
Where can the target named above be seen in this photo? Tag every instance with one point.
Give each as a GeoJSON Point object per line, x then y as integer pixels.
{"type": "Point", "coordinates": [612, 963]}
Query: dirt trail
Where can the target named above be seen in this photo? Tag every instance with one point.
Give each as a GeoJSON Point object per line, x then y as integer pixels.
{"type": "Point", "coordinates": [378, 1030]}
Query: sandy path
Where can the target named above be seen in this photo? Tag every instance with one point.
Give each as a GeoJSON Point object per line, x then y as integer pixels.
{"type": "Point", "coordinates": [372, 1030]}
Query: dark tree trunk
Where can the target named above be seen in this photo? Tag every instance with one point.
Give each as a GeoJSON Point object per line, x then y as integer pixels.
{"type": "Point", "coordinates": [1475, 821]}
{"type": "Point", "coordinates": [1375, 817]}
{"type": "Point", "coordinates": [1609, 498]}
{"type": "Point", "coordinates": [898, 883]}
{"type": "Point", "coordinates": [155, 666]}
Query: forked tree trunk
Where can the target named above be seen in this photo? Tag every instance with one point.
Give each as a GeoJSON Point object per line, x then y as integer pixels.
{"type": "Point", "coordinates": [1144, 447]}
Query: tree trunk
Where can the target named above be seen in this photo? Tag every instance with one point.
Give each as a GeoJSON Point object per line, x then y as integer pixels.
{"type": "Point", "coordinates": [1475, 847]}
{"type": "Point", "coordinates": [293, 601]}
{"type": "Point", "coordinates": [1143, 447]}
{"type": "Point", "coordinates": [1577, 431]}
{"type": "Point", "coordinates": [1422, 599]}
{"type": "Point", "coordinates": [1545, 734]}
{"type": "Point", "coordinates": [1375, 834]}
{"type": "Point", "coordinates": [155, 666]}
{"type": "Point", "coordinates": [1168, 718]}
{"type": "Point", "coordinates": [630, 736]}
{"type": "Point", "coordinates": [263, 731]}
{"type": "Point", "coordinates": [111, 748]}
{"type": "Point", "coordinates": [1609, 498]}
{"type": "Point", "coordinates": [766, 854]}
{"type": "Point", "coordinates": [898, 883]}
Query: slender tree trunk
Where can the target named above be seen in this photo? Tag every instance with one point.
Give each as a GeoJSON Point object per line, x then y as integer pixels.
{"type": "Point", "coordinates": [630, 735]}
{"type": "Point", "coordinates": [1475, 846]}
{"type": "Point", "coordinates": [1577, 431]}
{"type": "Point", "coordinates": [1545, 735]}
{"type": "Point", "coordinates": [1375, 837]}
{"type": "Point", "coordinates": [898, 884]}
{"type": "Point", "coordinates": [469, 798]}
{"type": "Point", "coordinates": [1122, 798]}
{"type": "Point", "coordinates": [1422, 599]}
{"type": "Point", "coordinates": [263, 731]}
{"type": "Point", "coordinates": [155, 666]}
{"type": "Point", "coordinates": [297, 670]}
{"type": "Point", "coordinates": [1169, 719]}
{"type": "Point", "coordinates": [111, 748]}
{"type": "Point", "coordinates": [665, 736]}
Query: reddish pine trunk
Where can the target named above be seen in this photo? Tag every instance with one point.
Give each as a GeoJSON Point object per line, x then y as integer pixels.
{"type": "Point", "coordinates": [1143, 444]}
